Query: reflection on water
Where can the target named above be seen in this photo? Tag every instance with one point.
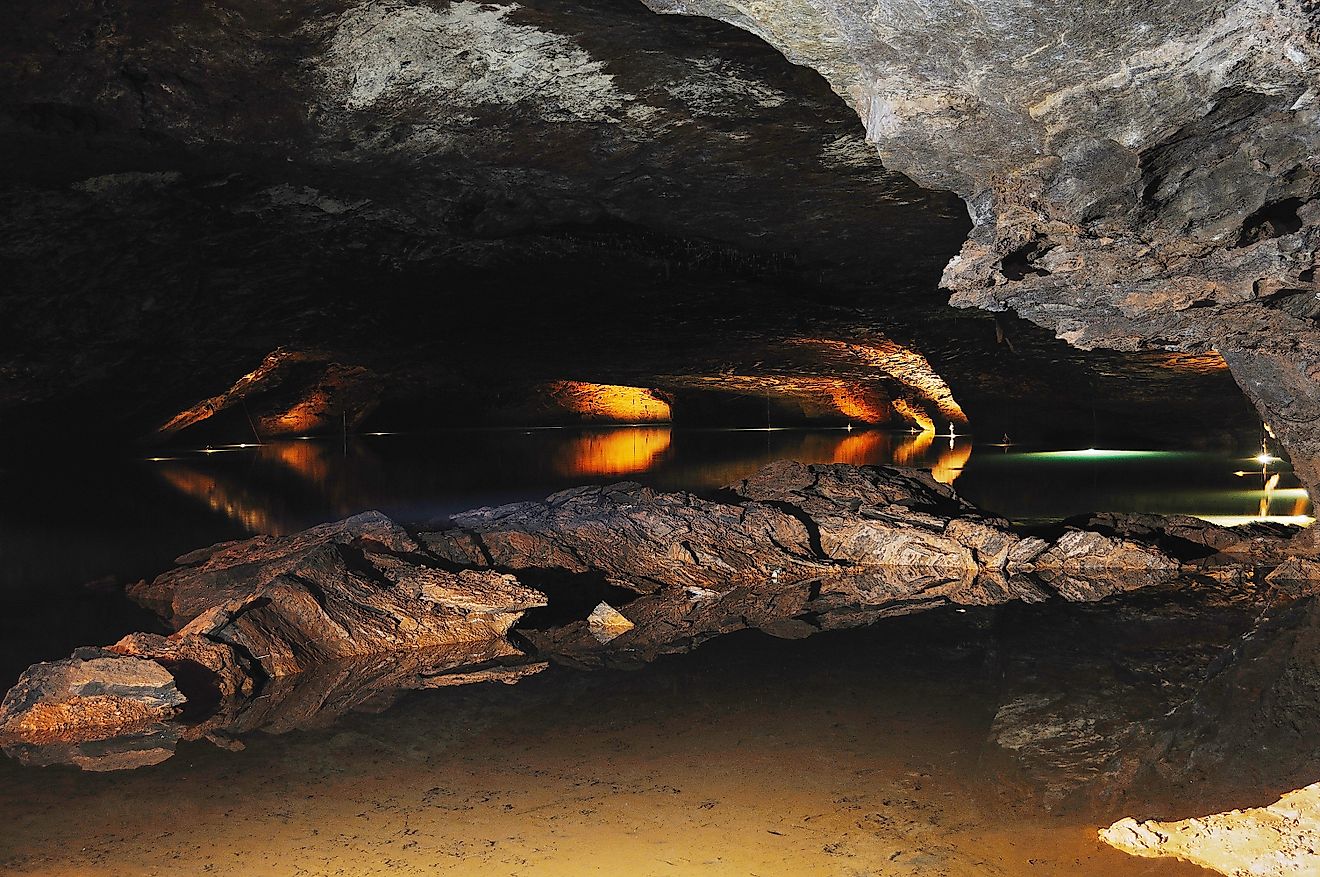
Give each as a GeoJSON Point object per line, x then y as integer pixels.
{"type": "Point", "coordinates": [748, 756]}
{"type": "Point", "coordinates": [370, 474]}
{"type": "Point", "coordinates": [280, 487]}
{"type": "Point", "coordinates": [613, 452]}
{"type": "Point", "coordinates": [751, 756]}
{"type": "Point", "coordinates": [62, 526]}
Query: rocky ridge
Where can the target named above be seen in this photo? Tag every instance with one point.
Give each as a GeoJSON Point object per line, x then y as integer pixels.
{"type": "Point", "coordinates": [791, 550]}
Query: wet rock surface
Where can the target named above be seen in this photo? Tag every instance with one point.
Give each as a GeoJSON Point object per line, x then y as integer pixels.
{"type": "Point", "coordinates": [228, 570]}
{"type": "Point", "coordinates": [339, 615]}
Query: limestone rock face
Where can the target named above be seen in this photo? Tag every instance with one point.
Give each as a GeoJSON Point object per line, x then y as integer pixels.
{"type": "Point", "coordinates": [193, 657]}
{"type": "Point", "coordinates": [787, 523]}
{"type": "Point", "coordinates": [92, 695]}
{"type": "Point", "coordinates": [1280, 840]}
{"type": "Point", "coordinates": [639, 539]}
{"type": "Point", "coordinates": [1139, 176]}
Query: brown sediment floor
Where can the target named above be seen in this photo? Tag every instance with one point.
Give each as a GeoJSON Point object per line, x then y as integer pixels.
{"type": "Point", "coordinates": [858, 753]}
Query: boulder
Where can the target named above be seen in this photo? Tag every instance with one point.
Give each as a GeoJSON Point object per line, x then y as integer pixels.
{"type": "Point", "coordinates": [229, 570]}
{"type": "Point", "coordinates": [637, 538]}
{"type": "Point", "coordinates": [339, 602]}
{"type": "Point", "coordinates": [92, 695]}
{"type": "Point", "coordinates": [1280, 840]}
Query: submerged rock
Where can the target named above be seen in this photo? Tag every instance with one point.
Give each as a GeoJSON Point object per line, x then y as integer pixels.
{"type": "Point", "coordinates": [605, 622]}
{"type": "Point", "coordinates": [1281, 840]}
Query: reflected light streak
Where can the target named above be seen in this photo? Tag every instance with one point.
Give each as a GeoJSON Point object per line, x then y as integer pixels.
{"type": "Point", "coordinates": [617, 452]}
{"type": "Point", "coordinates": [1097, 454]}
{"type": "Point", "coordinates": [246, 508]}
{"type": "Point", "coordinates": [950, 464]}
{"type": "Point", "coordinates": [860, 449]}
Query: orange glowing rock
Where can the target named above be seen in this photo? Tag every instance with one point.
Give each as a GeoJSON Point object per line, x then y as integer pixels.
{"type": "Point", "coordinates": [914, 415]}
{"type": "Point", "coordinates": [856, 402]}
{"type": "Point", "coordinates": [908, 367]}
{"type": "Point", "coordinates": [610, 402]}
{"type": "Point", "coordinates": [1198, 363]}
{"type": "Point", "coordinates": [307, 392]}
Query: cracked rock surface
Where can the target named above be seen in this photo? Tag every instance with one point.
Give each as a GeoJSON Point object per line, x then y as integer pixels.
{"type": "Point", "coordinates": [597, 576]}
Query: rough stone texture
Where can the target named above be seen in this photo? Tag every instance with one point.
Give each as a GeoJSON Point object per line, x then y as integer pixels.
{"type": "Point", "coordinates": [1191, 697]}
{"type": "Point", "coordinates": [217, 666]}
{"type": "Point", "coordinates": [1139, 176]}
{"type": "Point", "coordinates": [1296, 571]}
{"type": "Point", "coordinates": [340, 602]}
{"type": "Point", "coordinates": [637, 538]}
{"type": "Point", "coordinates": [312, 699]}
{"type": "Point", "coordinates": [787, 523]}
{"type": "Point", "coordinates": [231, 570]}
{"type": "Point", "coordinates": [357, 608]}
{"type": "Point", "coordinates": [1281, 840]}
{"type": "Point", "coordinates": [92, 695]}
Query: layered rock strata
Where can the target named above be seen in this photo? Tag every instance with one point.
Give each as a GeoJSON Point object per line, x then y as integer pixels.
{"type": "Point", "coordinates": [791, 550]}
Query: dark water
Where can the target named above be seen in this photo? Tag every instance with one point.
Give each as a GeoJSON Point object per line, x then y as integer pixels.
{"type": "Point", "coordinates": [888, 750]}
{"type": "Point", "coordinates": [64, 524]}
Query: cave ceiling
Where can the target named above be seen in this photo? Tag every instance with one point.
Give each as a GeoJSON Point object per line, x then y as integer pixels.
{"type": "Point", "coordinates": [452, 203]}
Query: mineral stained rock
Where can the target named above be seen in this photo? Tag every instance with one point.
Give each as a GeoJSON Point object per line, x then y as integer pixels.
{"type": "Point", "coordinates": [1281, 840]}
{"type": "Point", "coordinates": [93, 695]}
{"type": "Point", "coordinates": [1139, 176]}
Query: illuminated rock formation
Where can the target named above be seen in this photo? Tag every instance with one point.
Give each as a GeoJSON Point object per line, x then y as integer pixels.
{"type": "Point", "coordinates": [90, 696]}
{"type": "Point", "coordinates": [790, 523]}
{"type": "Point", "coordinates": [926, 390]}
{"type": "Point", "coordinates": [289, 393]}
{"type": "Point", "coordinates": [214, 575]}
{"type": "Point", "coordinates": [609, 402]}
{"type": "Point", "coordinates": [1281, 840]}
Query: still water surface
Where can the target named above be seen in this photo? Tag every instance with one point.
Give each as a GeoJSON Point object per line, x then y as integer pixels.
{"type": "Point", "coordinates": [854, 753]}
